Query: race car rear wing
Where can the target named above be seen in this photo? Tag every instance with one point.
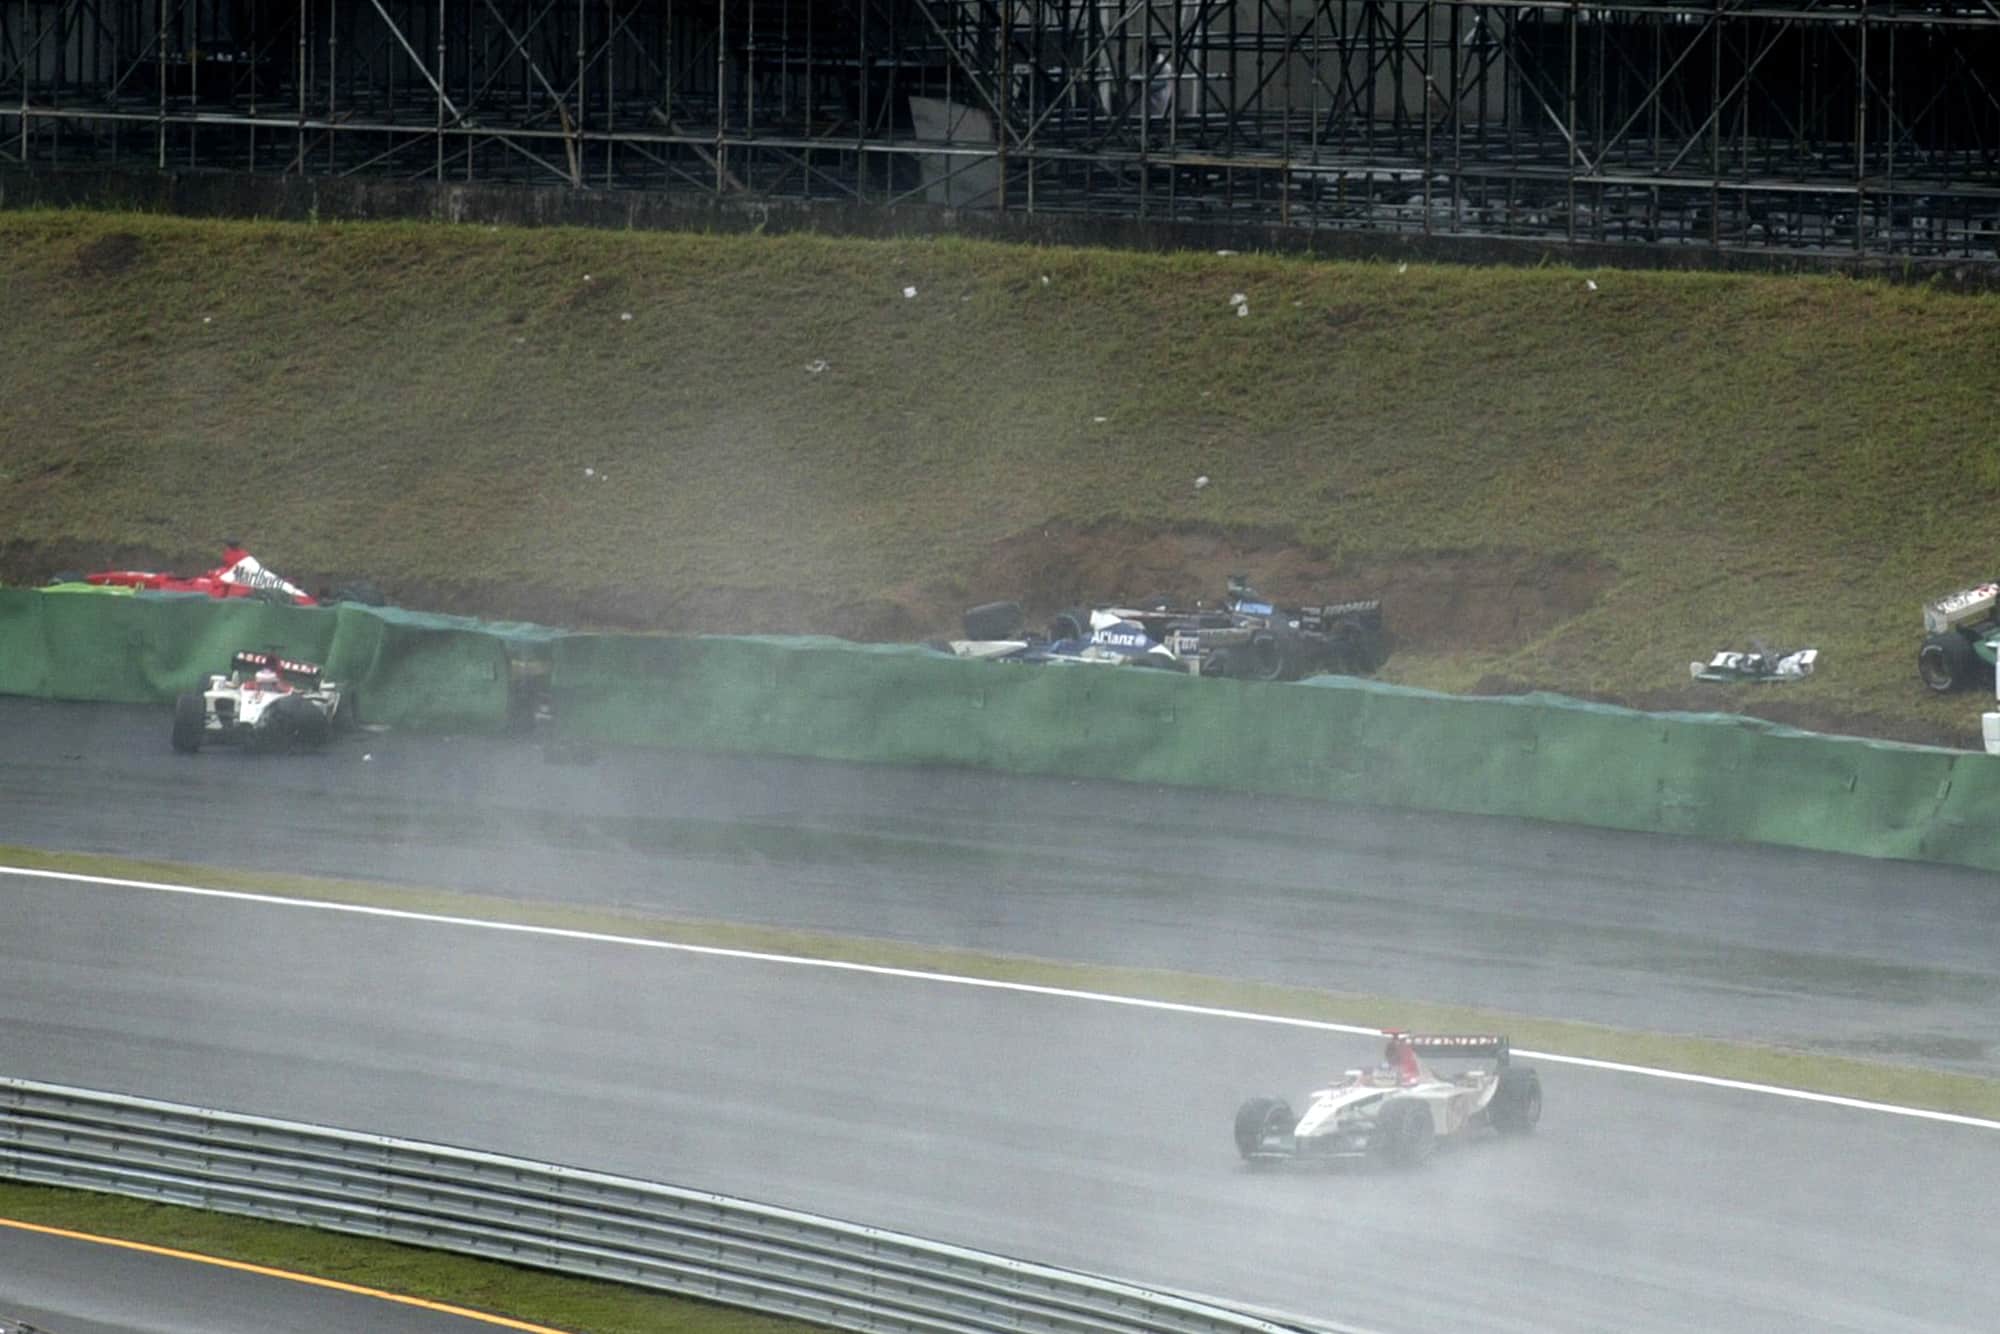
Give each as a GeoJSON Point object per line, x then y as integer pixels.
{"type": "Point", "coordinates": [1460, 1047]}
{"type": "Point", "coordinates": [302, 672]}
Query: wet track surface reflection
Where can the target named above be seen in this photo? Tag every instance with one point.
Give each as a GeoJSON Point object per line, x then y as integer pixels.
{"type": "Point", "coordinates": [1057, 1129]}
{"type": "Point", "coordinates": [1879, 959]}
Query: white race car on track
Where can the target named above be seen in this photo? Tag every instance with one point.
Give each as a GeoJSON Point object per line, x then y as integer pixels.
{"type": "Point", "coordinates": [266, 703]}
{"type": "Point", "coordinates": [1398, 1111]}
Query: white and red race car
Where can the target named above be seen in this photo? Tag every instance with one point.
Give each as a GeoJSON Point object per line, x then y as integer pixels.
{"type": "Point", "coordinates": [1399, 1111]}
{"type": "Point", "coordinates": [241, 575]}
{"type": "Point", "coordinates": [266, 703]}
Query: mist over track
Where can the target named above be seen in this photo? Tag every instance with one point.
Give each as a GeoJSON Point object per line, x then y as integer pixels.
{"type": "Point", "coordinates": [1871, 958]}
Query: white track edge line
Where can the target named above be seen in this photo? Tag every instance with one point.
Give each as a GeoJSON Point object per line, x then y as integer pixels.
{"type": "Point", "coordinates": [992, 984]}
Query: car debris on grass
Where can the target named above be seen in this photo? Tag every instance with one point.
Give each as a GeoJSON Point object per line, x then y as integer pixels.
{"type": "Point", "coordinates": [1758, 664]}
{"type": "Point", "coordinates": [1247, 637]}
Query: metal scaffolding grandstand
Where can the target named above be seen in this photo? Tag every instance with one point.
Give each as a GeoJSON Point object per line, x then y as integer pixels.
{"type": "Point", "coordinates": [1861, 126]}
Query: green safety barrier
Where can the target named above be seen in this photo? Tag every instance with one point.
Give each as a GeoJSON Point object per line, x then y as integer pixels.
{"type": "Point", "coordinates": [405, 669]}
{"type": "Point", "coordinates": [1542, 757]}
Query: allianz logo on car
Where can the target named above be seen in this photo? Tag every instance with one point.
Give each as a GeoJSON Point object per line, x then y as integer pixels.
{"type": "Point", "coordinates": [1123, 635]}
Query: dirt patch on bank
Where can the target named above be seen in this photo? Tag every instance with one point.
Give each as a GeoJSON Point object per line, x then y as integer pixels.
{"type": "Point", "coordinates": [109, 255]}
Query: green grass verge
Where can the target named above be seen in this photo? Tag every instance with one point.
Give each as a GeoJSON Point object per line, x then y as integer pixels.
{"type": "Point", "coordinates": [1906, 1085]}
{"type": "Point", "coordinates": [1796, 457]}
{"type": "Point", "coordinates": [580, 1306]}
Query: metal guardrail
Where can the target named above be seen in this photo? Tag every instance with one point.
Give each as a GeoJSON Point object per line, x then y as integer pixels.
{"type": "Point", "coordinates": [577, 1222]}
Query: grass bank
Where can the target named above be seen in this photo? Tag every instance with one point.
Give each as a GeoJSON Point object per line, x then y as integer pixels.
{"type": "Point", "coordinates": [1555, 486]}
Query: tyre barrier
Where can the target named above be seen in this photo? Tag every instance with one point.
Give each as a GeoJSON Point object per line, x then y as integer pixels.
{"type": "Point", "coordinates": [1537, 757]}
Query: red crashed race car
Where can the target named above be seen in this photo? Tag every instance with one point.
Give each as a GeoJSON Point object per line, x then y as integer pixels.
{"type": "Point", "coordinates": [241, 575]}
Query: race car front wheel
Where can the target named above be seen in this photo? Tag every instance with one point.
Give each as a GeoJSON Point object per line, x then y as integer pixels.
{"type": "Point", "coordinates": [1407, 1134]}
{"type": "Point", "coordinates": [1259, 1119]}
{"type": "Point", "coordinates": [1946, 662]}
{"type": "Point", "coordinates": [190, 721]}
{"type": "Point", "coordinates": [289, 724]}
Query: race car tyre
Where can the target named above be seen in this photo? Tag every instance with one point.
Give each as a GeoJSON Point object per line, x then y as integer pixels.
{"type": "Point", "coordinates": [190, 721]}
{"type": "Point", "coordinates": [361, 593]}
{"type": "Point", "coordinates": [1258, 1118]}
{"type": "Point", "coordinates": [1517, 1103]}
{"type": "Point", "coordinates": [1270, 659]}
{"type": "Point", "coordinates": [1366, 650]}
{"type": "Point", "coordinates": [1072, 624]}
{"type": "Point", "coordinates": [995, 620]}
{"type": "Point", "coordinates": [1946, 662]}
{"type": "Point", "coordinates": [289, 724]}
{"type": "Point", "coordinates": [1407, 1133]}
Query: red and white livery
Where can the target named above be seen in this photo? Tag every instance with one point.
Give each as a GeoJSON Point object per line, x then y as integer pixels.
{"type": "Point", "coordinates": [241, 575]}
{"type": "Point", "coordinates": [1399, 1111]}
{"type": "Point", "coordinates": [266, 702]}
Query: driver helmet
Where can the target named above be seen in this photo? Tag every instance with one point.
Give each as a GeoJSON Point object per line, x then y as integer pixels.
{"type": "Point", "coordinates": [267, 676]}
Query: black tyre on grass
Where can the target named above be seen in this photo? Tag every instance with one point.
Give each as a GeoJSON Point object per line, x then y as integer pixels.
{"type": "Point", "coordinates": [1364, 648]}
{"type": "Point", "coordinates": [1947, 662]}
{"type": "Point", "coordinates": [1071, 624]}
{"type": "Point", "coordinates": [995, 620]}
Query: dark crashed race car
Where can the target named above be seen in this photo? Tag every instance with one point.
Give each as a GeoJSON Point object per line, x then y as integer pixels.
{"type": "Point", "coordinates": [1400, 1111]}
{"type": "Point", "coordinates": [1248, 637]}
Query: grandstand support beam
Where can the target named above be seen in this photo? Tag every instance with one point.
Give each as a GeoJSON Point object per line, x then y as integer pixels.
{"type": "Point", "coordinates": [519, 47]}
{"type": "Point", "coordinates": [1869, 126]}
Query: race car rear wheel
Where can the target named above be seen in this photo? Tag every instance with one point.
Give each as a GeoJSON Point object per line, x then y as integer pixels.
{"type": "Point", "coordinates": [1947, 662]}
{"type": "Point", "coordinates": [1270, 658]}
{"type": "Point", "coordinates": [1259, 1118]}
{"type": "Point", "coordinates": [1363, 647]}
{"type": "Point", "coordinates": [1517, 1103]}
{"type": "Point", "coordinates": [1072, 624]}
{"type": "Point", "coordinates": [1407, 1134]}
{"type": "Point", "coordinates": [289, 724]}
{"type": "Point", "coordinates": [190, 721]}
{"type": "Point", "coordinates": [994, 620]}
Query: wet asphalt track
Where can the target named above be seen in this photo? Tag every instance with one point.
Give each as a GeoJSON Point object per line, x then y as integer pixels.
{"type": "Point", "coordinates": [1052, 1128]}
{"type": "Point", "coordinates": [79, 1287]}
{"type": "Point", "coordinates": [1842, 954]}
